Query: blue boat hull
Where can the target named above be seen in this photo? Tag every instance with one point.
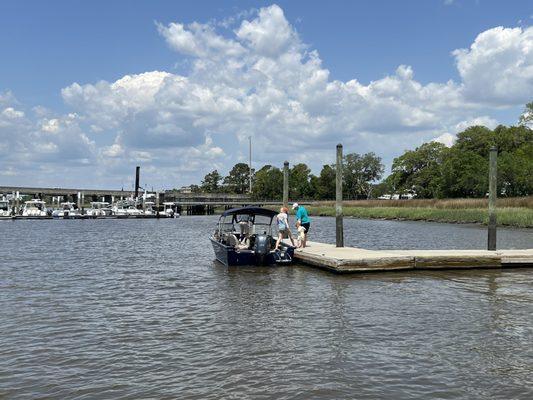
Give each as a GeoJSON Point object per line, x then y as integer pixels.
{"type": "Point", "coordinates": [229, 256]}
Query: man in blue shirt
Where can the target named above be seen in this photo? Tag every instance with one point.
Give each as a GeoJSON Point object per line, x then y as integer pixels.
{"type": "Point", "coordinates": [303, 218]}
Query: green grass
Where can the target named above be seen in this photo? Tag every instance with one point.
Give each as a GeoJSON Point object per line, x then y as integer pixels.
{"type": "Point", "coordinates": [508, 216]}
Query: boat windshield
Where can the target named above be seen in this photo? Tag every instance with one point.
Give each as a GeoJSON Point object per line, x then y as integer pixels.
{"type": "Point", "coordinates": [38, 206]}
{"type": "Point", "coordinates": [4, 205]}
{"type": "Point", "coordinates": [241, 223]}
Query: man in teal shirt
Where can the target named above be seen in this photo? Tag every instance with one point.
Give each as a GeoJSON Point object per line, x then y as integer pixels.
{"type": "Point", "coordinates": [303, 218]}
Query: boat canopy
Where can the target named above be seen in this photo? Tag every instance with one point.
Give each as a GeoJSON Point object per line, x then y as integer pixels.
{"type": "Point", "coordinates": [250, 211]}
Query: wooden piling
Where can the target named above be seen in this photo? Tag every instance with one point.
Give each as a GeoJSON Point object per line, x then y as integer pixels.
{"type": "Point", "coordinates": [493, 192]}
{"type": "Point", "coordinates": [286, 184]}
{"type": "Point", "coordinates": [339, 228]}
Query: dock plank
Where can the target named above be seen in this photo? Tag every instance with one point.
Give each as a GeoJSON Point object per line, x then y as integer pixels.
{"type": "Point", "coordinates": [351, 259]}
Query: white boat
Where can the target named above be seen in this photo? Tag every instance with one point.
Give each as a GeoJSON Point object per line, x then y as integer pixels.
{"type": "Point", "coordinates": [99, 209]}
{"type": "Point", "coordinates": [149, 208]}
{"type": "Point", "coordinates": [66, 210]}
{"type": "Point", "coordinates": [168, 210]}
{"type": "Point", "coordinates": [5, 210]}
{"type": "Point", "coordinates": [34, 208]}
{"type": "Point", "coordinates": [126, 209]}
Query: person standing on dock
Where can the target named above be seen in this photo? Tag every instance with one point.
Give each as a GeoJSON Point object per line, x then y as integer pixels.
{"type": "Point", "coordinates": [284, 230]}
{"type": "Point", "coordinates": [303, 218]}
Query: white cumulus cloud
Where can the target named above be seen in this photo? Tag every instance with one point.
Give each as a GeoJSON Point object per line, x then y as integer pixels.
{"type": "Point", "coordinates": [262, 80]}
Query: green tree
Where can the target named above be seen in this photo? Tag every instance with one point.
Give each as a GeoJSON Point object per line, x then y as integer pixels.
{"type": "Point", "coordinates": [419, 170]}
{"type": "Point", "coordinates": [477, 139]}
{"type": "Point", "coordinates": [527, 116]}
{"type": "Point", "coordinates": [268, 183]}
{"type": "Point", "coordinates": [195, 189]}
{"type": "Point", "coordinates": [465, 174]}
{"type": "Point", "coordinates": [384, 187]}
{"type": "Point", "coordinates": [300, 182]}
{"type": "Point", "coordinates": [359, 171]}
{"type": "Point", "coordinates": [238, 179]}
{"type": "Point", "coordinates": [211, 182]}
{"type": "Point", "coordinates": [324, 184]}
{"type": "Point", "coordinates": [515, 171]}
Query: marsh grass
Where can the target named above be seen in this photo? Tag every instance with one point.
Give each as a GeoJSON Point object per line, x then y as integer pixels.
{"type": "Point", "coordinates": [512, 202]}
{"type": "Point", "coordinates": [509, 216]}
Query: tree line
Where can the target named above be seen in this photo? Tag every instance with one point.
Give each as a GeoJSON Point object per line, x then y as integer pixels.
{"type": "Point", "coordinates": [431, 170]}
{"type": "Point", "coordinates": [359, 172]}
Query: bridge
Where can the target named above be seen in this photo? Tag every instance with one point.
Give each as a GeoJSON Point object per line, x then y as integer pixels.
{"type": "Point", "coordinates": [189, 203]}
{"type": "Point", "coordinates": [44, 191]}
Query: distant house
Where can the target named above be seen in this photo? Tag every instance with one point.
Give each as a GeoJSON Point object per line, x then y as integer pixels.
{"type": "Point", "coordinates": [185, 189]}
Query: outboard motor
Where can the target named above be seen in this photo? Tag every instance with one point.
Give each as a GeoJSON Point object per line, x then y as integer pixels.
{"type": "Point", "coordinates": [262, 247]}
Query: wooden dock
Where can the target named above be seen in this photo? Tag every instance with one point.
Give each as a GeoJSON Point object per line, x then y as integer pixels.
{"type": "Point", "coordinates": [351, 259]}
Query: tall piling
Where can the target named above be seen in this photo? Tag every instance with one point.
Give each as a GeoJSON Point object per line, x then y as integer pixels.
{"type": "Point", "coordinates": [286, 184]}
{"type": "Point", "coordinates": [137, 176]}
{"type": "Point", "coordinates": [339, 228]}
{"type": "Point", "coordinates": [493, 194]}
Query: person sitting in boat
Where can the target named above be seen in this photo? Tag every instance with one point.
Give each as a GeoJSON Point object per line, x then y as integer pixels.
{"type": "Point", "coordinates": [244, 225]}
{"type": "Point", "coordinates": [283, 226]}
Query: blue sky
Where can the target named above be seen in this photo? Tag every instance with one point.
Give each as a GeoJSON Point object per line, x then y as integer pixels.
{"type": "Point", "coordinates": [48, 46]}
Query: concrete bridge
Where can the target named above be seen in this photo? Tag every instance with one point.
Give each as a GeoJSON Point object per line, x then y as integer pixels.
{"type": "Point", "coordinates": [42, 191]}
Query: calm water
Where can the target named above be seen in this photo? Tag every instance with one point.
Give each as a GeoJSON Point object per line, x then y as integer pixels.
{"type": "Point", "coordinates": [138, 309]}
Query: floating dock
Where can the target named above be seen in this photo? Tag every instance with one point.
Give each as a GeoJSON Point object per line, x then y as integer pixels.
{"type": "Point", "coordinates": [351, 259]}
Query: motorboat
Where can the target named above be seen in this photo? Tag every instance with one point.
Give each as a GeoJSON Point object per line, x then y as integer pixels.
{"type": "Point", "coordinates": [149, 209]}
{"type": "Point", "coordinates": [125, 209]}
{"type": "Point", "coordinates": [243, 236]}
{"type": "Point", "coordinates": [66, 210]}
{"type": "Point", "coordinates": [168, 210]}
{"type": "Point", "coordinates": [5, 210]}
{"type": "Point", "coordinates": [99, 209]}
{"type": "Point", "coordinates": [35, 208]}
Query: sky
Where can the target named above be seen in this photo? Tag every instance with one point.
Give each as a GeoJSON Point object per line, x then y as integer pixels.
{"type": "Point", "coordinates": [89, 90]}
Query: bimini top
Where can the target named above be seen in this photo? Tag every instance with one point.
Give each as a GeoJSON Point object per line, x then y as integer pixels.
{"type": "Point", "coordinates": [250, 211]}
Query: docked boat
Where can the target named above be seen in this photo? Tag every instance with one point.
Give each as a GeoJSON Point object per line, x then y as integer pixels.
{"type": "Point", "coordinates": [99, 209]}
{"type": "Point", "coordinates": [65, 211]}
{"type": "Point", "coordinates": [125, 209]}
{"type": "Point", "coordinates": [149, 209]}
{"type": "Point", "coordinates": [5, 210]}
{"type": "Point", "coordinates": [244, 237]}
{"type": "Point", "coordinates": [168, 210]}
{"type": "Point", "coordinates": [35, 209]}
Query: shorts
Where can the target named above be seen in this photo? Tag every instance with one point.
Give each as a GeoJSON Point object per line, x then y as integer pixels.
{"type": "Point", "coordinates": [284, 233]}
{"type": "Point", "coordinates": [306, 226]}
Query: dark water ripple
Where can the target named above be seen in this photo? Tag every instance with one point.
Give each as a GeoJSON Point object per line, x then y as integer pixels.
{"type": "Point", "coordinates": [138, 309]}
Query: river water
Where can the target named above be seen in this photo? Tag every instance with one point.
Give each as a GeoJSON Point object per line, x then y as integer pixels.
{"type": "Point", "coordinates": [138, 309]}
